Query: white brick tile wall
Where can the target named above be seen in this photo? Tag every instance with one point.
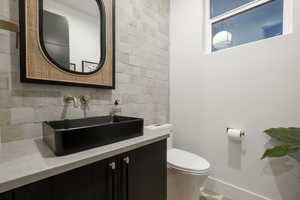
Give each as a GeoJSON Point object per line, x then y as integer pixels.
{"type": "Point", "coordinates": [142, 67]}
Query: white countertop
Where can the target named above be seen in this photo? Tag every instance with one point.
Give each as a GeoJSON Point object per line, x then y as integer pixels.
{"type": "Point", "coordinates": [27, 161]}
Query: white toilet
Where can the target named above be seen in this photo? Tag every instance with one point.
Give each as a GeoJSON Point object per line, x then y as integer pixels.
{"type": "Point", "coordinates": [187, 172]}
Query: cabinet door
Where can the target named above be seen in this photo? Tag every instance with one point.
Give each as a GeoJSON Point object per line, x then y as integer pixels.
{"type": "Point", "coordinates": [6, 196]}
{"type": "Point", "coordinates": [73, 185]}
{"type": "Point", "coordinates": [105, 181]}
{"type": "Point", "coordinates": [92, 182]}
{"type": "Point", "coordinates": [146, 173]}
{"type": "Point", "coordinates": [35, 191]}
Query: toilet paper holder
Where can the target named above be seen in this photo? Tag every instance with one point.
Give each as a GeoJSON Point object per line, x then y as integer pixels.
{"type": "Point", "coordinates": [242, 132]}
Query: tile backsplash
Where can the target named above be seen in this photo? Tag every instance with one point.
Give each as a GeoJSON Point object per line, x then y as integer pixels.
{"type": "Point", "coordinates": [142, 74]}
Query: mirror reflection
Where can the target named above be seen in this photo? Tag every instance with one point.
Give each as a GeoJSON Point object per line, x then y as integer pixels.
{"type": "Point", "coordinates": [72, 34]}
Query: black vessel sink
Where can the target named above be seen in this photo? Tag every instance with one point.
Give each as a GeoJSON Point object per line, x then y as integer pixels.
{"type": "Point", "coordinates": [70, 136]}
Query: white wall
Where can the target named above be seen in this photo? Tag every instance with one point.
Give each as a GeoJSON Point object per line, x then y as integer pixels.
{"type": "Point", "coordinates": [84, 32]}
{"type": "Point", "coordinates": [254, 86]}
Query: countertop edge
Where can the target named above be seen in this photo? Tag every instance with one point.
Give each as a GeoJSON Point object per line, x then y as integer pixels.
{"type": "Point", "coordinates": [43, 174]}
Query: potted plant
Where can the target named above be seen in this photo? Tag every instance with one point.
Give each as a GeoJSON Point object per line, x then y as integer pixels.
{"type": "Point", "coordinates": [290, 139]}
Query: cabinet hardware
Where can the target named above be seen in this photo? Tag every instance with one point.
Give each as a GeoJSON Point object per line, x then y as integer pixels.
{"type": "Point", "coordinates": [126, 160]}
{"type": "Point", "coordinates": [113, 165]}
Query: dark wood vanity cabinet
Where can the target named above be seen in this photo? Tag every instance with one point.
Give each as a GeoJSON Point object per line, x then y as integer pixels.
{"type": "Point", "coordinates": [92, 182]}
{"type": "Point", "coordinates": [6, 196]}
{"type": "Point", "coordinates": [38, 190]}
{"type": "Point", "coordinates": [147, 172]}
{"type": "Point", "coordinates": [87, 183]}
{"type": "Point", "coordinates": [136, 175]}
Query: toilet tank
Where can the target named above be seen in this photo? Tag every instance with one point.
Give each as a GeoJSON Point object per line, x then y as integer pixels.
{"type": "Point", "coordinates": [161, 128]}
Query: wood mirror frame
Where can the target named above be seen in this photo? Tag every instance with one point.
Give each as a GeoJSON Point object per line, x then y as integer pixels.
{"type": "Point", "coordinates": [36, 67]}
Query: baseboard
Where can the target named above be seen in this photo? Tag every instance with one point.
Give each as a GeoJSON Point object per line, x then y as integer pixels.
{"type": "Point", "coordinates": [231, 191]}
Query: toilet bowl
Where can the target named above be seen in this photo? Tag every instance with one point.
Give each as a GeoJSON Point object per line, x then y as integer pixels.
{"type": "Point", "coordinates": [187, 172]}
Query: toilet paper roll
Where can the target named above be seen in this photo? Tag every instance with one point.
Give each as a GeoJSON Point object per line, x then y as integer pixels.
{"type": "Point", "coordinates": [235, 134]}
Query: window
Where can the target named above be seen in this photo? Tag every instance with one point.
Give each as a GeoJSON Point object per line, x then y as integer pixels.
{"type": "Point", "coordinates": [235, 22]}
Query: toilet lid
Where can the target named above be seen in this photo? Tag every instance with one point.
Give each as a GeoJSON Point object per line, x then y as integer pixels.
{"type": "Point", "coordinates": [187, 161]}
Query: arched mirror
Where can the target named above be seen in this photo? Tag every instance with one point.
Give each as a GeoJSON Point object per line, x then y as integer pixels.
{"type": "Point", "coordinates": [68, 42]}
{"type": "Point", "coordinates": [72, 34]}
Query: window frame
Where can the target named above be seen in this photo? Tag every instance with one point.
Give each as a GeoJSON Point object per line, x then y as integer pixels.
{"type": "Point", "coordinates": [287, 18]}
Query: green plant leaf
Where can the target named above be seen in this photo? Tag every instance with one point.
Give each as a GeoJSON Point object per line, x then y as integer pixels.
{"type": "Point", "coordinates": [280, 151]}
{"type": "Point", "coordinates": [286, 135]}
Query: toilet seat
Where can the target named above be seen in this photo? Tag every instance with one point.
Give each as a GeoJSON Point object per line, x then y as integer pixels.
{"type": "Point", "coordinates": [187, 162]}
